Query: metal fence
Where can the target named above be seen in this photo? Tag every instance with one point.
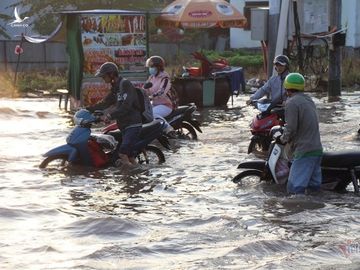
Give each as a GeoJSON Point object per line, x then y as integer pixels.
{"type": "Point", "coordinates": [53, 56]}
{"type": "Point", "coordinates": [44, 56]}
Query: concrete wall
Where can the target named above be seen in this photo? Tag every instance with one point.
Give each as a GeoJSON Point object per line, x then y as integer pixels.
{"type": "Point", "coordinates": [240, 38]}
{"type": "Point", "coordinates": [350, 18]}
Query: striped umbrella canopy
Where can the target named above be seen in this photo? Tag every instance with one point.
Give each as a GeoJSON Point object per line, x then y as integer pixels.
{"type": "Point", "coordinates": [200, 14]}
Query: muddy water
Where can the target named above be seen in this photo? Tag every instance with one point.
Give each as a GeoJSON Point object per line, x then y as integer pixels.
{"type": "Point", "coordinates": [185, 214]}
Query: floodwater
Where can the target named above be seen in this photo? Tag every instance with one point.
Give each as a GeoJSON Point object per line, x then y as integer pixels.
{"type": "Point", "coordinates": [185, 214]}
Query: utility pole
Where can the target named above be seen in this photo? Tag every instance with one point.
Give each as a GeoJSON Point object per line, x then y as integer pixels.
{"type": "Point", "coordinates": [334, 80]}
{"type": "Point", "coordinates": [273, 25]}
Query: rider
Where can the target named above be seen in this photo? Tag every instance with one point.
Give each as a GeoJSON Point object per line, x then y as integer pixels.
{"type": "Point", "coordinates": [301, 131]}
{"type": "Point", "coordinates": [274, 86]}
{"type": "Point", "coordinates": [159, 91]}
{"type": "Point", "coordinates": [127, 110]}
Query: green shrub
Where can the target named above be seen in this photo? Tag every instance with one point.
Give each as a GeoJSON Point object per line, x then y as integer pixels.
{"type": "Point", "coordinates": [240, 58]}
{"type": "Point", "coordinates": [49, 81]}
{"type": "Point", "coordinates": [350, 72]}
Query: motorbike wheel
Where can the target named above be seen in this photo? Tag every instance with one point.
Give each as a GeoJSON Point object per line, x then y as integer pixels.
{"type": "Point", "coordinates": [56, 162]}
{"type": "Point", "coordinates": [186, 132]}
{"type": "Point", "coordinates": [258, 146]}
{"type": "Point", "coordinates": [151, 155]}
{"type": "Point", "coordinates": [248, 175]}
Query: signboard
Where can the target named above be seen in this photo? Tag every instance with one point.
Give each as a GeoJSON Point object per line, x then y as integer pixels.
{"type": "Point", "coordinates": [111, 38]}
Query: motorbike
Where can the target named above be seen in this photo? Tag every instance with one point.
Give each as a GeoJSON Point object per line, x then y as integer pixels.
{"type": "Point", "coordinates": [339, 169]}
{"type": "Point", "coordinates": [262, 123]}
{"type": "Point", "coordinates": [100, 150]}
{"type": "Point", "coordinates": [181, 119]}
{"type": "Point", "coordinates": [183, 122]}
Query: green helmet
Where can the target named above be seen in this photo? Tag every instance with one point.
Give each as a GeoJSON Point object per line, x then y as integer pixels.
{"type": "Point", "coordinates": [294, 81]}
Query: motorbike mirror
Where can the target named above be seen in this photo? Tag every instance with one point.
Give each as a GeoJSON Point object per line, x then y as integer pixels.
{"type": "Point", "coordinates": [147, 85]}
{"type": "Point", "coordinates": [98, 113]}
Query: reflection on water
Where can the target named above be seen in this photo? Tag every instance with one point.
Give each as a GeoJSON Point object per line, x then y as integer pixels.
{"type": "Point", "coordinates": [184, 214]}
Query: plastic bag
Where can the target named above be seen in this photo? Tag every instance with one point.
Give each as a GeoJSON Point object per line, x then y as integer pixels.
{"type": "Point", "coordinates": [282, 170]}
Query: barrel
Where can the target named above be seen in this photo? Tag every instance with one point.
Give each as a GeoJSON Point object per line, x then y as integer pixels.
{"type": "Point", "coordinates": [202, 91]}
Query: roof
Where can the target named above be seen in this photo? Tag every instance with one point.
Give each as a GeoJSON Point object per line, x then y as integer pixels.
{"type": "Point", "coordinates": [110, 11]}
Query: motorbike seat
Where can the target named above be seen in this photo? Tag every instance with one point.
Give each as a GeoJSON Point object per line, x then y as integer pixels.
{"type": "Point", "coordinates": [177, 111]}
{"type": "Point", "coordinates": [343, 159]}
{"type": "Point", "coordinates": [150, 127]}
{"type": "Point", "coordinates": [106, 141]}
{"type": "Point", "coordinates": [278, 110]}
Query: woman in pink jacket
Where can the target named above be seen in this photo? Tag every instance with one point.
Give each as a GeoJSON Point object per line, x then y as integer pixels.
{"type": "Point", "coordinates": [159, 91]}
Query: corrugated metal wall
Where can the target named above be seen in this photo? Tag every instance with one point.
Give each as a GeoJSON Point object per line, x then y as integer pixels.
{"type": "Point", "coordinates": [51, 55]}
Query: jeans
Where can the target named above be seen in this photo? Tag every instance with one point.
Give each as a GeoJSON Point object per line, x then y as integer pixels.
{"type": "Point", "coordinates": [130, 136]}
{"type": "Point", "coordinates": [305, 173]}
{"type": "Point", "coordinates": [160, 112]}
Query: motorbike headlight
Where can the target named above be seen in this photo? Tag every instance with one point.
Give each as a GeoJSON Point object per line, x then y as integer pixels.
{"type": "Point", "coordinates": [83, 116]}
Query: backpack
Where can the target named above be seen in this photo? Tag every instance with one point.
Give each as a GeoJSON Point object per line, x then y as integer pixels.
{"type": "Point", "coordinates": [145, 104]}
{"type": "Point", "coordinates": [173, 96]}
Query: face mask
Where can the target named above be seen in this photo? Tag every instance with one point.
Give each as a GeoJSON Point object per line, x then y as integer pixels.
{"type": "Point", "coordinates": [153, 70]}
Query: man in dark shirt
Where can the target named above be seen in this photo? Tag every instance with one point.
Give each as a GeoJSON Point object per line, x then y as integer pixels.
{"type": "Point", "coordinates": [127, 109]}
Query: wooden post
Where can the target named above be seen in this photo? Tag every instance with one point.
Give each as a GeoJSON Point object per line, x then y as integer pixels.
{"type": "Point", "coordinates": [334, 84]}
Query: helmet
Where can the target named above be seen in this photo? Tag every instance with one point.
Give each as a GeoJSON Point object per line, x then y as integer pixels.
{"type": "Point", "coordinates": [294, 81]}
{"type": "Point", "coordinates": [156, 61]}
{"type": "Point", "coordinates": [107, 68]}
{"type": "Point", "coordinates": [82, 117]}
{"type": "Point", "coordinates": [282, 60]}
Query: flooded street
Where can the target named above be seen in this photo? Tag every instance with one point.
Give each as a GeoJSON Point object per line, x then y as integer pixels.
{"type": "Point", "coordinates": [184, 214]}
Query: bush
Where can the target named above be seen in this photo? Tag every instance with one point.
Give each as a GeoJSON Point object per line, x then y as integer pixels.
{"type": "Point", "coordinates": [7, 88]}
{"type": "Point", "coordinates": [49, 81]}
{"type": "Point", "coordinates": [350, 72]}
{"type": "Point", "coordinates": [240, 58]}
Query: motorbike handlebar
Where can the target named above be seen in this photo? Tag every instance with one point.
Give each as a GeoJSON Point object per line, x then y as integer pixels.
{"type": "Point", "coordinates": [147, 85]}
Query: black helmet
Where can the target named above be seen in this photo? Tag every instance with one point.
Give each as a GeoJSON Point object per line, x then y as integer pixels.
{"type": "Point", "coordinates": [282, 60]}
{"type": "Point", "coordinates": [156, 61]}
{"type": "Point", "coordinates": [107, 68]}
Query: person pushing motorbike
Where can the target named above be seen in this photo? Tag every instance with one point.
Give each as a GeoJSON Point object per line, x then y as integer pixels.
{"type": "Point", "coordinates": [127, 109]}
{"type": "Point", "coordinates": [301, 131]}
{"type": "Point", "coordinates": [274, 86]}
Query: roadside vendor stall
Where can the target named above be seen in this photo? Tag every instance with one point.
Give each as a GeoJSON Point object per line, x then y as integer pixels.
{"type": "Point", "coordinates": [96, 36]}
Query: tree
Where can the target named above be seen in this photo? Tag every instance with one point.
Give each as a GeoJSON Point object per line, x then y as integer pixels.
{"type": "Point", "coordinates": [3, 33]}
